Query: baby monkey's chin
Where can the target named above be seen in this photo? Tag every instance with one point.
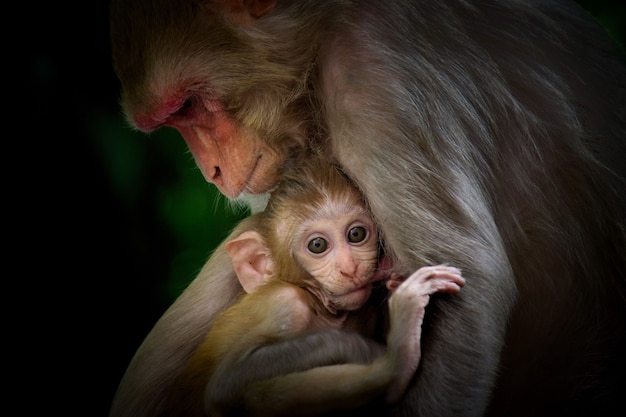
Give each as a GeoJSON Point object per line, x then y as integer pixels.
{"type": "Point", "coordinates": [353, 300]}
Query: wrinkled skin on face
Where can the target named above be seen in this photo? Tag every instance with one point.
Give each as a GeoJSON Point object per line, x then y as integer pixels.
{"type": "Point", "coordinates": [341, 255]}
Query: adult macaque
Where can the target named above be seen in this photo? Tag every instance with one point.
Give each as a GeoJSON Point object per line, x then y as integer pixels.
{"type": "Point", "coordinates": [488, 135]}
{"type": "Point", "coordinates": [308, 262]}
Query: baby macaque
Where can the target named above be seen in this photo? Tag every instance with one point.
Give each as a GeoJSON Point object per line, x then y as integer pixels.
{"type": "Point", "coordinates": [309, 265]}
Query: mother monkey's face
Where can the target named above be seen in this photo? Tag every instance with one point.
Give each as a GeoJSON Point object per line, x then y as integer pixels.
{"type": "Point", "coordinates": [242, 112]}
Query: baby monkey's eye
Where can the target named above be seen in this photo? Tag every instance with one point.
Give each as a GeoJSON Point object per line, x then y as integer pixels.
{"type": "Point", "coordinates": [317, 245]}
{"type": "Point", "coordinates": [357, 234]}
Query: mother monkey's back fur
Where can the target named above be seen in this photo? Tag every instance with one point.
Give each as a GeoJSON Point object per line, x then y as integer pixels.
{"type": "Point", "coordinates": [489, 135]}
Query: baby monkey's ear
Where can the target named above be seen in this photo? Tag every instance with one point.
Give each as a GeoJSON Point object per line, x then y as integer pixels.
{"type": "Point", "coordinates": [251, 259]}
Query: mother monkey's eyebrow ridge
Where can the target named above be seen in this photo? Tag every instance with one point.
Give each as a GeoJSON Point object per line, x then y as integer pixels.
{"type": "Point", "coordinates": [480, 136]}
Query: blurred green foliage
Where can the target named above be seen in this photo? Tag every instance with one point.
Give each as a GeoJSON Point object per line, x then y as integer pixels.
{"type": "Point", "coordinates": [193, 212]}
{"type": "Point", "coordinates": [611, 14]}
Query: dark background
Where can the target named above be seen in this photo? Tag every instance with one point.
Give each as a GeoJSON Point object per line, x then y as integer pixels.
{"type": "Point", "coordinates": [106, 226]}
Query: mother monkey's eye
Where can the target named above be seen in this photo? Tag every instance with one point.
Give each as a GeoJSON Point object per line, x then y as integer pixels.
{"type": "Point", "coordinates": [185, 107]}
